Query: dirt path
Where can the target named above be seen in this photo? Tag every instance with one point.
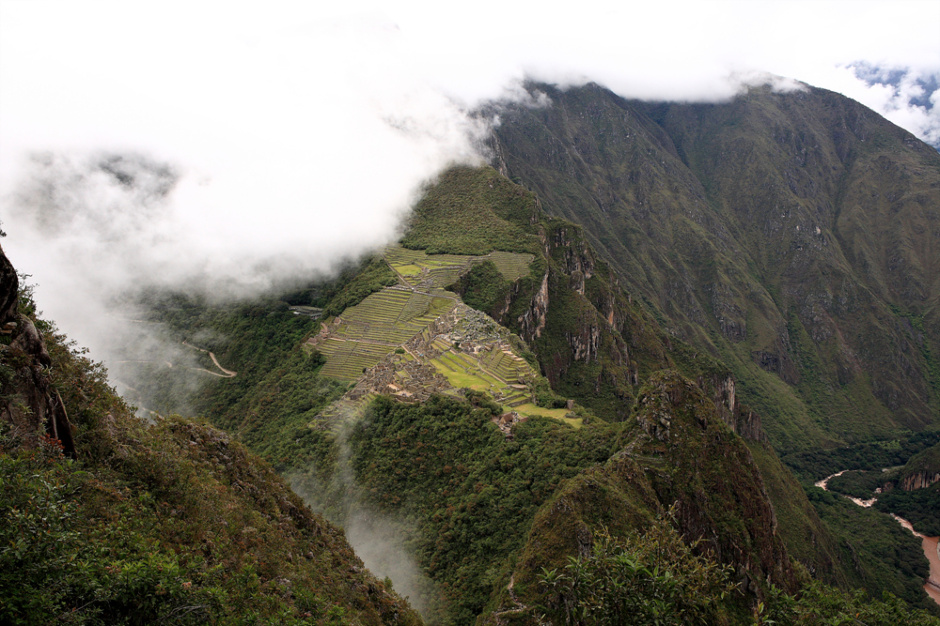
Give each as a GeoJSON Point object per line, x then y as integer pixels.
{"type": "Point", "coordinates": [225, 373]}
{"type": "Point", "coordinates": [929, 544]}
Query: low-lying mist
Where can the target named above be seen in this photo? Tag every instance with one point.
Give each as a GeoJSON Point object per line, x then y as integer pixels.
{"type": "Point", "coordinates": [379, 537]}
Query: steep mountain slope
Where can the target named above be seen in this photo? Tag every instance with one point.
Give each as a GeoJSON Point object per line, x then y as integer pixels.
{"type": "Point", "coordinates": [106, 519]}
{"type": "Point", "coordinates": [793, 235]}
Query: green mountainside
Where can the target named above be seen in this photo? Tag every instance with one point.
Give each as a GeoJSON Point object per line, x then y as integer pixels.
{"type": "Point", "coordinates": [495, 443]}
{"type": "Point", "coordinates": [109, 519]}
{"type": "Point", "coordinates": [792, 235]}
{"type": "Point", "coordinates": [555, 402]}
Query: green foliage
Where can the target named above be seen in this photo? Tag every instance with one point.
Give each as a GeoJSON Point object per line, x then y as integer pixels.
{"type": "Point", "coordinates": [820, 605]}
{"type": "Point", "coordinates": [817, 464]}
{"type": "Point", "coordinates": [249, 337]}
{"type": "Point", "coordinates": [471, 492]}
{"type": "Point", "coordinates": [483, 287]}
{"type": "Point", "coordinates": [883, 555]}
{"type": "Point", "coordinates": [278, 389]}
{"type": "Point", "coordinates": [158, 537]}
{"type": "Point", "coordinates": [356, 286]}
{"type": "Point", "coordinates": [473, 211]}
{"type": "Point", "coordinates": [858, 484]}
{"type": "Point", "coordinates": [57, 564]}
{"type": "Point", "coordinates": [273, 418]}
{"type": "Point", "coordinates": [653, 577]}
{"type": "Point", "coordinates": [166, 522]}
{"type": "Point", "coordinates": [921, 507]}
{"type": "Point", "coordinates": [807, 539]}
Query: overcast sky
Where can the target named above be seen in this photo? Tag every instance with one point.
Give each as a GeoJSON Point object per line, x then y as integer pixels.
{"type": "Point", "coordinates": [269, 139]}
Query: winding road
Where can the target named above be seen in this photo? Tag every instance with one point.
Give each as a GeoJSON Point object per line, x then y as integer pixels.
{"type": "Point", "coordinates": [225, 373]}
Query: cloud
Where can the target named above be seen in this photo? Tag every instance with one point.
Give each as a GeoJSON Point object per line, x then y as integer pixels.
{"type": "Point", "coordinates": [906, 96]}
{"type": "Point", "coordinates": [291, 135]}
{"type": "Point", "coordinates": [155, 147]}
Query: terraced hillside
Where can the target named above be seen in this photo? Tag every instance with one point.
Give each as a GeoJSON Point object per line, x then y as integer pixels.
{"type": "Point", "coordinates": [417, 268]}
{"type": "Point", "coordinates": [415, 338]}
{"type": "Point", "coordinates": [367, 332]}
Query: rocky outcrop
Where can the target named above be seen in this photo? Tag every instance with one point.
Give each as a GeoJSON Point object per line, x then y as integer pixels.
{"type": "Point", "coordinates": [29, 403]}
{"type": "Point", "coordinates": [921, 471]}
{"type": "Point", "coordinates": [532, 321]}
{"type": "Point", "coordinates": [9, 288]}
{"type": "Point", "coordinates": [712, 474]}
{"type": "Point", "coordinates": [919, 480]}
{"type": "Point", "coordinates": [738, 417]}
{"type": "Point", "coordinates": [577, 261]}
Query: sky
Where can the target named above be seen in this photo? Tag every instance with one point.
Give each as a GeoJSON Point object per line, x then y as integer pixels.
{"type": "Point", "coordinates": [226, 147]}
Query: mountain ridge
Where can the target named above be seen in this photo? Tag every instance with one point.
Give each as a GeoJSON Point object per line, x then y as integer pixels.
{"type": "Point", "coordinates": [724, 219]}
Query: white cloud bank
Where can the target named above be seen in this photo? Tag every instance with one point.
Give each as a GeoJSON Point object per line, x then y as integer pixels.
{"type": "Point", "coordinates": [290, 135]}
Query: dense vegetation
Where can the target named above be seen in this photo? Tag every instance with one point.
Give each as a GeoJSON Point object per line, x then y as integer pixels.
{"type": "Point", "coordinates": [470, 491]}
{"type": "Point", "coordinates": [483, 287]}
{"type": "Point", "coordinates": [884, 556]}
{"type": "Point", "coordinates": [649, 578]}
{"type": "Point", "coordinates": [920, 507]}
{"type": "Point", "coordinates": [167, 522]}
{"type": "Point", "coordinates": [370, 278]}
{"type": "Point", "coordinates": [817, 464]}
{"type": "Point", "coordinates": [858, 483]}
{"type": "Point", "coordinates": [475, 211]}
{"type": "Point", "coordinates": [905, 456]}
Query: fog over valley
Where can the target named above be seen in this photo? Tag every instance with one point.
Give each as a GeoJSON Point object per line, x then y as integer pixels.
{"type": "Point", "coordinates": [226, 149]}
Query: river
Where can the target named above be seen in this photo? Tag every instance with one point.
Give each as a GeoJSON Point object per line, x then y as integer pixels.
{"type": "Point", "coordinates": [929, 544]}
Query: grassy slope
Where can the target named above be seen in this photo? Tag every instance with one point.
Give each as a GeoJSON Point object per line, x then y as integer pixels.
{"type": "Point", "coordinates": [475, 212]}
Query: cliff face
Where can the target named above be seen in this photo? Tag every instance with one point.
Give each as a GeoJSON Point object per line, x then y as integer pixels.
{"type": "Point", "coordinates": [30, 404]}
{"type": "Point", "coordinates": [921, 471]}
{"type": "Point", "coordinates": [919, 480]}
{"type": "Point", "coordinates": [788, 234]}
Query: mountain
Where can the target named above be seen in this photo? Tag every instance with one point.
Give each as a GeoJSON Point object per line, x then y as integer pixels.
{"type": "Point", "coordinates": [486, 399]}
{"type": "Point", "coordinates": [573, 392]}
{"type": "Point", "coordinates": [108, 519]}
{"type": "Point", "coordinates": [791, 235]}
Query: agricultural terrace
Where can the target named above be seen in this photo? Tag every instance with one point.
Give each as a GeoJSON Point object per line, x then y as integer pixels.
{"type": "Point", "coordinates": [417, 268]}
{"type": "Point", "coordinates": [466, 347]}
{"type": "Point", "coordinates": [495, 370]}
{"type": "Point", "coordinates": [364, 334]}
